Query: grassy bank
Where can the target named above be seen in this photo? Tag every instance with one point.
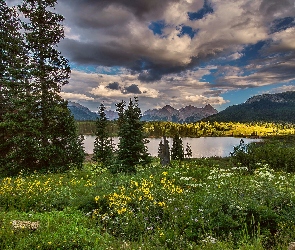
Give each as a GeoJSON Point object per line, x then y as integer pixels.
{"type": "Point", "coordinates": [196, 204]}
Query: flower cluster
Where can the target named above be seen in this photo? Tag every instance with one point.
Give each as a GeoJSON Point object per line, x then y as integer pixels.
{"type": "Point", "coordinates": [141, 194]}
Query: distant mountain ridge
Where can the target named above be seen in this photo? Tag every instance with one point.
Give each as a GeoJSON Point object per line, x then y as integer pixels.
{"type": "Point", "coordinates": [81, 113]}
{"type": "Point", "coordinates": [167, 113]}
{"type": "Point", "coordinates": [186, 114]}
{"type": "Point", "coordinates": [278, 107]}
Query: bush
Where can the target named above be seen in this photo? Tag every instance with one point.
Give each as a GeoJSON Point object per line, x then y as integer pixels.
{"type": "Point", "coordinates": [278, 155]}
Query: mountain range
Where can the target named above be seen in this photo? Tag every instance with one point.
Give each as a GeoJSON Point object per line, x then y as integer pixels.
{"type": "Point", "coordinates": [186, 114]}
{"type": "Point", "coordinates": [167, 113]}
{"type": "Point", "coordinates": [82, 113]}
{"type": "Point", "coordinates": [278, 107]}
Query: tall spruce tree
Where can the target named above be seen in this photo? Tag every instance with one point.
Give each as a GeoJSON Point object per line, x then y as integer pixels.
{"type": "Point", "coordinates": [131, 148]}
{"type": "Point", "coordinates": [103, 148]}
{"type": "Point", "coordinates": [15, 99]}
{"type": "Point", "coordinates": [164, 152]}
{"type": "Point", "coordinates": [57, 146]}
{"type": "Point", "coordinates": [188, 151]}
{"type": "Point", "coordinates": [177, 152]}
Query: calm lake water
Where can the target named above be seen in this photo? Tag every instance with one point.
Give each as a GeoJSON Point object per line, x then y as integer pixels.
{"type": "Point", "coordinates": [201, 147]}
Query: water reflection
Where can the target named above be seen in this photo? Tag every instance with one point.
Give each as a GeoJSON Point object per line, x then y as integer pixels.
{"type": "Point", "coordinates": [201, 147]}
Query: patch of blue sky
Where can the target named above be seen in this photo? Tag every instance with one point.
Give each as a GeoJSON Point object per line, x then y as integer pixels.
{"type": "Point", "coordinates": [210, 77]}
{"type": "Point", "coordinates": [157, 27]}
{"type": "Point", "coordinates": [207, 9]}
{"type": "Point", "coordinates": [252, 51]}
{"type": "Point", "coordinates": [281, 24]}
{"type": "Point", "coordinates": [187, 30]}
{"type": "Point", "coordinates": [84, 68]}
{"type": "Point", "coordinates": [249, 53]}
{"type": "Point", "coordinates": [114, 70]}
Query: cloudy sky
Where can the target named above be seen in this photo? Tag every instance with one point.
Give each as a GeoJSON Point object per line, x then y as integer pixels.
{"type": "Point", "coordinates": [177, 52]}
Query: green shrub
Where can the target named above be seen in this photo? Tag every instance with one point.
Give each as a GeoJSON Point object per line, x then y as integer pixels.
{"type": "Point", "coordinates": [278, 155]}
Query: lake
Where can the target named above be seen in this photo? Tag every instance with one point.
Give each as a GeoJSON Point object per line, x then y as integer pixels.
{"type": "Point", "coordinates": [201, 147]}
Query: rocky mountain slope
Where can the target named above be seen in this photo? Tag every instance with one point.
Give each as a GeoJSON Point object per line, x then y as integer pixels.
{"type": "Point", "coordinates": [80, 112]}
{"type": "Point", "coordinates": [186, 114]}
{"type": "Point", "coordinates": [167, 113]}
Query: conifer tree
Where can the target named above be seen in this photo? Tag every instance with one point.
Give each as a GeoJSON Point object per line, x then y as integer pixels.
{"type": "Point", "coordinates": [57, 145]}
{"type": "Point", "coordinates": [15, 99]}
{"type": "Point", "coordinates": [131, 148]}
{"type": "Point", "coordinates": [188, 151]}
{"type": "Point", "coordinates": [103, 148]}
{"type": "Point", "coordinates": [163, 152]}
{"type": "Point", "coordinates": [177, 152]}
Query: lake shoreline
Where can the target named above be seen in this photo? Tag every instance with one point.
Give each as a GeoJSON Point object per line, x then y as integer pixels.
{"type": "Point", "coordinates": [201, 146]}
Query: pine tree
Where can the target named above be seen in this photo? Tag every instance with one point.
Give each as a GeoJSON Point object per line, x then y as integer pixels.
{"type": "Point", "coordinates": [188, 151]}
{"type": "Point", "coordinates": [103, 148]}
{"type": "Point", "coordinates": [15, 101]}
{"type": "Point", "coordinates": [177, 148]}
{"type": "Point", "coordinates": [163, 152]}
{"type": "Point", "coordinates": [131, 148]}
{"type": "Point", "coordinates": [57, 145]}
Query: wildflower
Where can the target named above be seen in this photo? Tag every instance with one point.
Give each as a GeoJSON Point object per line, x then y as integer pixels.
{"type": "Point", "coordinates": [179, 190]}
{"type": "Point", "coordinates": [210, 239]}
{"type": "Point", "coordinates": [122, 210]}
{"type": "Point", "coordinates": [161, 203]}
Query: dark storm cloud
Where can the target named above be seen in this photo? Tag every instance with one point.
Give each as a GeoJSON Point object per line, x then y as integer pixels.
{"type": "Point", "coordinates": [214, 93]}
{"type": "Point", "coordinates": [272, 7]}
{"type": "Point", "coordinates": [112, 54]}
{"type": "Point", "coordinates": [139, 8]}
{"type": "Point", "coordinates": [114, 86]}
{"type": "Point", "coordinates": [90, 53]}
{"type": "Point", "coordinates": [132, 89]}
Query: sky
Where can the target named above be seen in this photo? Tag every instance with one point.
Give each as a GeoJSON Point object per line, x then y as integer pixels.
{"type": "Point", "coordinates": [177, 52]}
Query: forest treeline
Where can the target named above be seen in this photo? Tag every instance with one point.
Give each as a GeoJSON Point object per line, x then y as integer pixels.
{"type": "Point", "coordinates": [199, 129]}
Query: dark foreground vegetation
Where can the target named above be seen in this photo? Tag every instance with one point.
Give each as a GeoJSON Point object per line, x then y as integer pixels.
{"type": "Point", "coordinates": [246, 201]}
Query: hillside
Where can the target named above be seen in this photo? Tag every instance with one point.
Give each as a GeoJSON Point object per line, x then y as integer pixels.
{"type": "Point", "coordinates": [267, 107]}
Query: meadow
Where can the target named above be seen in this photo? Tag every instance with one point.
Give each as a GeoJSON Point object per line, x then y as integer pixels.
{"type": "Point", "coordinates": [209, 203]}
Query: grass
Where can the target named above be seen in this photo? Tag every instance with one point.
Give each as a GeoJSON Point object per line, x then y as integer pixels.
{"type": "Point", "coordinates": [194, 204]}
